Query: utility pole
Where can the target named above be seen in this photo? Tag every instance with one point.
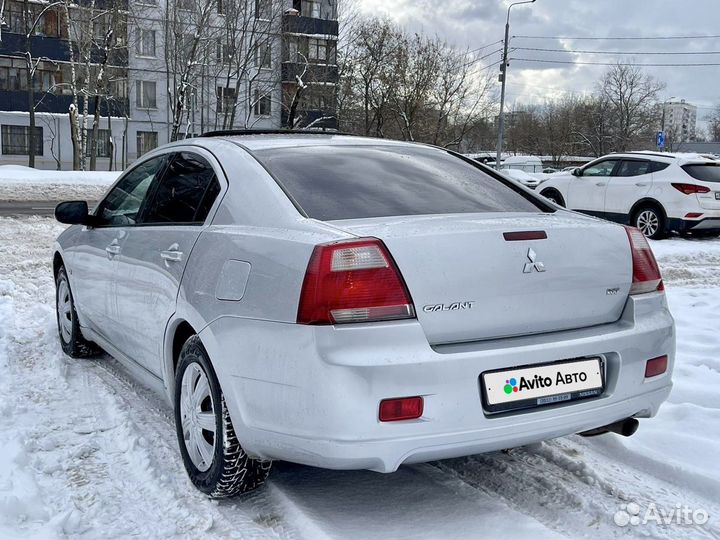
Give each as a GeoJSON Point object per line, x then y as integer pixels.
{"type": "Point", "coordinates": [503, 79]}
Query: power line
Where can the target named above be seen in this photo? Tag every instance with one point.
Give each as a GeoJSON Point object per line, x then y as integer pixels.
{"type": "Point", "coordinates": [479, 49]}
{"type": "Point", "coordinates": [581, 51]}
{"type": "Point", "coordinates": [631, 64]}
{"type": "Point", "coordinates": [617, 38]}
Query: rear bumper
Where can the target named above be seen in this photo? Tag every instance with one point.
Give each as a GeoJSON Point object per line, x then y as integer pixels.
{"type": "Point", "coordinates": [708, 224]}
{"type": "Point", "coordinates": [311, 394]}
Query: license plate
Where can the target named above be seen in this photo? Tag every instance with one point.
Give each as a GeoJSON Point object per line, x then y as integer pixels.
{"type": "Point", "coordinates": [717, 195]}
{"type": "Point", "coordinates": [546, 384]}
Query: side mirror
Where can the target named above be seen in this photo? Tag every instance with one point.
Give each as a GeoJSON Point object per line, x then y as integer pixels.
{"type": "Point", "coordinates": [577, 172]}
{"type": "Point", "coordinates": [73, 213]}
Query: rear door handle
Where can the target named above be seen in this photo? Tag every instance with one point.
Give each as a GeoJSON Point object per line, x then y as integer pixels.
{"type": "Point", "coordinates": [113, 249]}
{"type": "Point", "coordinates": [172, 254]}
{"type": "Point", "coordinates": [600, 184]}
{"type": "Point", "coordinates": [641, 184]}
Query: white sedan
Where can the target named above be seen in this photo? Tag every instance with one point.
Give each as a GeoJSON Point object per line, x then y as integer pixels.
{"type": "Point", "coordinates": [356, 303]}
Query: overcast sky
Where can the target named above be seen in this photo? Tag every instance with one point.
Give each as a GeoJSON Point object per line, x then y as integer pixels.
{"type": "Point", "coordinates": [475, 23]}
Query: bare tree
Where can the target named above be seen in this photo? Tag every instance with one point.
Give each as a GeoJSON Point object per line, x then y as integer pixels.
{"type": "Point", "coordinates": [714, 124]}
{"type": "Point", "coordinates": [632, 96]}
{"type": "Point", "coordinates": [95, 35]}
{"type": "Point", "coordinates": [189, 38]}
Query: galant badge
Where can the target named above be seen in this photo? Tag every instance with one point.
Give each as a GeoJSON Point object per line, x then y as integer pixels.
{"type": "Point", "coordinates": [534, 264]}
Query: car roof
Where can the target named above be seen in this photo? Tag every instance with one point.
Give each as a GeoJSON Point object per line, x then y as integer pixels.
{"type": "Point", "coordinates": [262, 140]}
{"type": "Point", "coordinates": [681, 158]}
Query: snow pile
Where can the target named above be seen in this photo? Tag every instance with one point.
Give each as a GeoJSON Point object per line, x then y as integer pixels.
{"type": "Point", "coordinates": [17, 174]}
{"type": "Point", "coordinates": [86, 452]}
{"type": "Point", "coordinates": [26, 184]}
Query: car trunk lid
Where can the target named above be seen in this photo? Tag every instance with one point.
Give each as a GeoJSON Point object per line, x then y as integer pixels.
{"type": "Point", "coordinates": [475, 277]}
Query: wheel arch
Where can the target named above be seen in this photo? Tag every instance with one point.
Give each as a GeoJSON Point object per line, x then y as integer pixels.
{"type": "Point", "coordinates": [646, 201]}
{"type": "Point", "coordinates": [57, 263]}
{"type": "Point", "coordinates": [556, 190]}
{"type": "Point", "coordinates": [177, 333]}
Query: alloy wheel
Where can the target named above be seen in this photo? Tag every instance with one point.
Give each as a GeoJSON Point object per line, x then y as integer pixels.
{"type": "Point", "coordinates": [197, 411]}
{"type": "Point", "coordinates": [648, 222]}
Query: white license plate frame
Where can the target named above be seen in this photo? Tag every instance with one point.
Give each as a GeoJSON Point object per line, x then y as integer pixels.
{"type": "Point", "coordinates": [571, 389]}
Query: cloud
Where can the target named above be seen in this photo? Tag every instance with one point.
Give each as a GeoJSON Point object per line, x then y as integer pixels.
{"type": "Point", "coordinates": [473, 23]}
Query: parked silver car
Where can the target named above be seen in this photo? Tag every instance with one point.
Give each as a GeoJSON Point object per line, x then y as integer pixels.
{"type": "Point", "coordinates": [356, 303]}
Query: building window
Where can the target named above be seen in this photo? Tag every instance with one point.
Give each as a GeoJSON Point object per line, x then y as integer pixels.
{"type": "Point", "coordinates": [185, 5]}
{"type": "Point", "coordinates": [262, 104]}
{"type": "Point", "coordinates": [13, 79]}
{"type": "Point", "coordinates": [310, 8]}
{"type": "Point", "coordinates": [223, 53]}
{"type": "Point", "coordinates": [293, 48]}
{"type": "Point", "coordinates": [146, 141]}
{"type": "Point", "coordinates": [104, 148]}
{"type": "Point", "coordinates": [262, 55]}
{"type": "Point", "coordinates": [317, 49]}
{"type": "Point", "coordinates": [225, 99]}
{"type": "Point", "coordinates": [47, 80]}
{"type": "Point", "coordinates": [263, 9]}
{"type": "Point", "coordinates": [16, 140]}
{"type": "Point", "coordinates": [145, 94]}
{"type": "Point", "coordinates": [146, 43]}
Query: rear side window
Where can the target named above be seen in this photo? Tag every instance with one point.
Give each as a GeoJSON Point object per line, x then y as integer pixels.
{"type": "Point", "coordinates": [656, 166]}
{"type": "Point", "coordinates": [705, 172]}
{"type": "Point", "coordinates": [633, 168]}
{"type": "Point", "coordinates": [186, 191]}
{"type": "Point", "coordinates": [351, 182]}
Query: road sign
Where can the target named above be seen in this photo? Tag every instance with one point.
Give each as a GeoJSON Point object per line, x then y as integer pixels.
{"type": "Point", "coordinates": [661, 139]}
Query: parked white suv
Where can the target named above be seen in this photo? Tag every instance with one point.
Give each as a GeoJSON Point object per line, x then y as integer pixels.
{"type": "Point", "coordinates": [656, 193]}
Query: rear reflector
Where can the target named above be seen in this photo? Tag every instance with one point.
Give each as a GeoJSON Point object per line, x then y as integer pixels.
{"type": "Point", "coordinates": [693, 215]}
{"type": "Point", "coordinates": [646, 274]}
{"type": "Point", "coordinates": [395, 409]}
{"type": "Point", "coordinates": [524, 235]}
{"type": "Point", "coordinates": [689, 189]}
{"type": "Point", "coordinates": [353, 281]}
{"type": "Point", "coordinates": [656, 366]}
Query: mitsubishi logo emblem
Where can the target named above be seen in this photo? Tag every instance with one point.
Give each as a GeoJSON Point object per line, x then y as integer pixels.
{"type": "Point", "coordinates": [534, 264]}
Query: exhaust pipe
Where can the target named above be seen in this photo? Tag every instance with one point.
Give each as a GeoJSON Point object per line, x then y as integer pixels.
{"type": "Point", "coordinates": [626, 428]}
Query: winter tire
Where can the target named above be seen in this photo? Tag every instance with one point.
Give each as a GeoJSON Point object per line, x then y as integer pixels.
{"type": "Point", "coordinates": [650, 221]}
{"type": "Point", "coordinates": [214, 460]}
{"type": "Point", "coordinates": [553, 196]}
{"type": "Point", "coordinates": [71, 339]}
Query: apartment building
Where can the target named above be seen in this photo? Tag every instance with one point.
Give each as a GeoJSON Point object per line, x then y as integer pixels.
{"type": "Point", "coordinates": [680, 120]}
{"type": "Point", "coordinates": [175, 69]}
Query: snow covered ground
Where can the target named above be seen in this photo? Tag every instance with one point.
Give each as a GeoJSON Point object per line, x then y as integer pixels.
{"type": "Point", "coordinates": [18, 183]}
{"type": "Point", "coordinates": [87, 453]}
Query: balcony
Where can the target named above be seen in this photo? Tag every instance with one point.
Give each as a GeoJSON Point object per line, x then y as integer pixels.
{"type": "Point", "coordinates": [295, 24]}
{"type": "Point", "coordinates": [17, 100]}
{"type": "Point", "coordinates": [55, 48]}
{"type": "Point", "coordinates": [315, 73]}
{"type": "Point", "coordinates": [51, 48]}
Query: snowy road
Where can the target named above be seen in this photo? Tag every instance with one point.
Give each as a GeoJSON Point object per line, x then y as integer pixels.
{"type": "Point", "coordinates": [86, 452]}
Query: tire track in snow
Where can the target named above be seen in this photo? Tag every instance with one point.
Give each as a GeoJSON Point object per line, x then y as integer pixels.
{"type": "Point", "coordinates": [575, 489]}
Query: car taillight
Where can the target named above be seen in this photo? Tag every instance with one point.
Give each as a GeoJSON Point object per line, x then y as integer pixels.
{"type": "Point", "coordinates": [689, 189]}
{"type": "Point", "coordinates": [353, 281]}
{"type": "Point", "coordinates": [646, 274]}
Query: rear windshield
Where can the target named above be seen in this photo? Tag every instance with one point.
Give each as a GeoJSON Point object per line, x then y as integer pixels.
{"type": "Point", "coordinates": [350, 182]}
{"type": "Point", "coordinates": [705, 173]}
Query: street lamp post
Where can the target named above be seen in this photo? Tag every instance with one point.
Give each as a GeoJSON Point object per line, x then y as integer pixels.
{"type": "Point", "coordinates": [503, 79]}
